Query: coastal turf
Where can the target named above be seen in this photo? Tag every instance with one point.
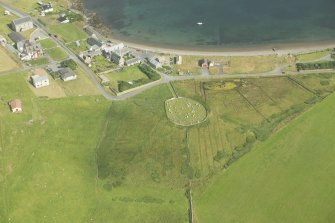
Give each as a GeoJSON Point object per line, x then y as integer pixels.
{"type": "Point", "coordinates": [125, 161]}
{"type": "Point", "coordinates": [288, 178]}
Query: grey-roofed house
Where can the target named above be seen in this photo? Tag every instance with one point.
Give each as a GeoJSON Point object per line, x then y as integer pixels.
{"type": "Point", "coordinates": [22, 24]}
{"type": "Point", "coordinates": [154, 63]}
{"type": "Point", "coordinates": [18, 40]}
{"type": "Point", "coordinates": [95, 41]}
{"type": "Point", "coordinates": [67, 74]}
{"type": "Point", "coordinates": [133, 61]}
{"type": "Point", "coordinates": [115, 57]}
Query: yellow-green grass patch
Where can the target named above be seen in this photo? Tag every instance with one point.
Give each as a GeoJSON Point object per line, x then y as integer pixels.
{"type": "Point", "coordinates": [7, 61]}
{"type": "Point", "coordinates": [57, 54]}
{"type": "Point", "coordinates": [126, 74]}
{"type": "Point", "coordinates": [287, 178]}
{"type": "Point", "coordinates": [68, 32]}
{"type": "Point", "coordinates": [82, 86]}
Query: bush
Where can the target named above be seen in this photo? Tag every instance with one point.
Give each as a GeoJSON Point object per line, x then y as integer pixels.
{"type": "Point", "coordinates": [70, 64]}
{"type": "Point", "coordinates": [151, 74]}
{"type": "Point", "coordinates": [324, 82]}
{"type": "Point", "coordinates": [316, 66]}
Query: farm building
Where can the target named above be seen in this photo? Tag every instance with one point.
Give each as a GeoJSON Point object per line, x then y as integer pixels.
{"type": "Point", "coordinates": [22, 24]}
{"type": "Point", "coordinates": [40, 78]}
{"type": "Point", "coordinates": [15, 105]}
{"type": "Point", "coordinates": [67, 74]}
{"type": "Point", "coordinates": [18, 40]}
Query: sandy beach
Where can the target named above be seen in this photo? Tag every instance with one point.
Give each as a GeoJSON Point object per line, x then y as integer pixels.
{"type": "Point", "coordinates": [252, 50]}
{"type": "Point", "coordinates": [283, 49]}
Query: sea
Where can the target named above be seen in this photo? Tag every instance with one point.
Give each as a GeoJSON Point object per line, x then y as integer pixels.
{"type": "Point", "coordinates": [218, 24]}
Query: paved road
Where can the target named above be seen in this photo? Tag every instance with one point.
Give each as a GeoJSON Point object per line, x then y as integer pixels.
{"type": "Point", "coordinates": [164, 77]}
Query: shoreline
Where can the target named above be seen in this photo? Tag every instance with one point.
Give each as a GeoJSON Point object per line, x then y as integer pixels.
{"type": "Point", "coordinates": [96, 22]}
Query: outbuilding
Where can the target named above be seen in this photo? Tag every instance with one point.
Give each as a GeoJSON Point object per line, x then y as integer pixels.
{"type": "Point", "coordinates": [22, 24]}
{"type": "Point", "coordinates": [15, 105]}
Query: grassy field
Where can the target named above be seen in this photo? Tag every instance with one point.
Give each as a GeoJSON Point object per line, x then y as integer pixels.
{"type": "Point", "coordinates": [185, 112]}
{"type": "Point", "coordinates": [288, 178]}
{"type": "Point", "coordinates": [57, 54]}
{"type": "Point", "coordinates": [239, 117]}
{"type": "Point", "coordinates": [47, 43]}
{"type": "Point", "coordinates": [234, 65]}
{"type": "Point", "coordinates": [313, 56]}
{"type": "Point", "coordinates": [68, 32]}
{"type": "Point", "coordinates": [4, 24]}
{"type": "Point", "coordinates": [47, 156]}
{"type": "Point", "coordinates": [127, 74]}
{"type": "Point", "coordinates": [82, 86]}
{"type": "Point", "coordinates": [7, 61]}
{"type": "Point", "coordinates": [73, 46]}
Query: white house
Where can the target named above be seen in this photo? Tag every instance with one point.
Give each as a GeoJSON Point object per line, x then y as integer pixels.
{"type": "Point", "coordinates": [40, 78]}
{"type": "Point", "coordinates": [112, 47]}
{"type": "Point", "coordinates": [45, 8]}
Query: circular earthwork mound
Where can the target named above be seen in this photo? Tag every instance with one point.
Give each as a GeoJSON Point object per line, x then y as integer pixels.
{"type": "Point", "coordinates": [185, 111]}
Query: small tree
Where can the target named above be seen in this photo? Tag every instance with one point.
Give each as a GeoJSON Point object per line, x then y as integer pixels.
{"type": "Point", "coordinates": [70, 64]}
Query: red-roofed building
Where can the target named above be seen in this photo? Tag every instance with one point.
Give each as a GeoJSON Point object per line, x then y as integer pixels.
{"type": "Point", "coordinates": [16, 105]}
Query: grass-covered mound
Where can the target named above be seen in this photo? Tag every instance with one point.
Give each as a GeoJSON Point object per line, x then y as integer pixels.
{"type": "Point", "coordinates": [185, 111]}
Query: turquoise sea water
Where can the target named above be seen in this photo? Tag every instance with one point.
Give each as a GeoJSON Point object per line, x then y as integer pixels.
{"type": "Point", "coordinates": [226, 23]}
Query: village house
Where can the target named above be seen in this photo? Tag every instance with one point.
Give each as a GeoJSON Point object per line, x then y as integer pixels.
{"type": "Point", "coordinates": [15, 105]}
{"type": "Point", "coordinates": [114, 57]}
{"type": "Point", "coordinates": [86, 58]}
{"type": "Point", "coordinates": [109, 47]}
{"type": "Point", "coordinates": [46, 8]}
{"type": "Point", "coordinates": [178, 60]}
{"type": "Point", "coordinates": [89, 30]}
{"type": "Point", "coordinates": [67, 74]}
{"type": "Point", "coordinates": [22, 24]}
{"type": "Point", "coordinates": [3, 40]}
{"type": "Point", "coordinates": [31, 50]}
{"type": "Point", "coordinates": [93, 41]}
{"type": "Point", "coordinates": [40, 78]}
{"type": "Point", "coordinates": [155, 63]}
{"type": "Point", "coordinates": [133, 61]}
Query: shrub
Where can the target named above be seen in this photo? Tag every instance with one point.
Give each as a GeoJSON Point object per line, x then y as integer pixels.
{"type": "Point", "coordinates": [70, 64]}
